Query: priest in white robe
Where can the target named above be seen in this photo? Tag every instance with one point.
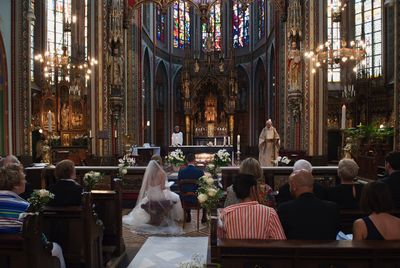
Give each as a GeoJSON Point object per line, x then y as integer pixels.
{"type": "Point", "coordinates": [268, 145]}
{"type": "Point", "coordinates": [177, 137]}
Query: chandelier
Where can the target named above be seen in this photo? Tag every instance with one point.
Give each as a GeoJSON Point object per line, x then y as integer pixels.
{"type": "Point", "coordinates": [338, 53]}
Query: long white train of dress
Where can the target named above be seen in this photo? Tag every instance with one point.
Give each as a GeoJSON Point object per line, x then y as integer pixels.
{"type": "Point", "coordinates": [137, 220]}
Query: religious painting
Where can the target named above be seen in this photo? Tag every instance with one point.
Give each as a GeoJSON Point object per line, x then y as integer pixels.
{"type": "Point", "coordinates": [77, 120]}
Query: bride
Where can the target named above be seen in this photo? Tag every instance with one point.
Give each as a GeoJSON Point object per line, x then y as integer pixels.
{"type": "Point", "coordinates": [157, 209]}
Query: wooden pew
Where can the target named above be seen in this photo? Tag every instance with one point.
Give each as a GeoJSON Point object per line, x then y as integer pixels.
{"type": "Point", "coordinates": [302, 253]}
{"type": "Point", "coordinates": [26, 249]}
{"type": "Point", "coordinates": [78, 231]}
{"type": "Point", "coordinates": [108, 206]}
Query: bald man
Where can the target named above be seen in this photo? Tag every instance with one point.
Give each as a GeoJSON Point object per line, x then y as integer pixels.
{"type": "Point", "coordinates": [307, 217]}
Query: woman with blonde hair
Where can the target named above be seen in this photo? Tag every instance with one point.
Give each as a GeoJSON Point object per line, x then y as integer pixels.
{"type": "Point", "coordinates": [251, 166]}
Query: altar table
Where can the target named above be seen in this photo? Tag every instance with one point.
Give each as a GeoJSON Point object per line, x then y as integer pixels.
{"type": "Point", "coordinates": [159, 252]}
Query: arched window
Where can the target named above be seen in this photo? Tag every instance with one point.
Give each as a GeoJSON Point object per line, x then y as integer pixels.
{"type": "Point", "coordinates": [260, 18]}
{"type": "Point", "coordinates": [333, 29]}
{"type": "Point", "coordinates": [160, 17]}
{"type": "Point", "coordinates": [181, 24]}
{"type": "Point", "coordinates": [240, 21]}
{"type": "Point", "coordinates": [58, 12]}
{"type": "Point", "coordinates": [215, 25]}
{"type": "Point", "coordinates": [368, 23]}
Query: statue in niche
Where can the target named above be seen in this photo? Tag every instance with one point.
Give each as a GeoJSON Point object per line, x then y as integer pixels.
{"type": "Point", "coordinates": [294, 64]}
{"type": "Point", "coordinates": [117, 72]}
{"type": "Point", "coordinates": [65, 116]}
{"type": "Point", "coordinates": [210, 111]}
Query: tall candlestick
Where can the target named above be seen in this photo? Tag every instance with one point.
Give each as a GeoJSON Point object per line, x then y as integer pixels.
{"type": "Point", "coordinates": [343, 124]}
{"type": "Point", "coordinates": [238, 143]}
{"type": "Point", "coordinates": [49, 120]}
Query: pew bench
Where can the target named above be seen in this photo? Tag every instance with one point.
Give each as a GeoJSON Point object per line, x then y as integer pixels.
{"type": "Point", "coordinates": [78, 231]}
{"type": "Point", "coordinates": [26, 249]}
{"type": "Point", "coordinates": [310, 254]}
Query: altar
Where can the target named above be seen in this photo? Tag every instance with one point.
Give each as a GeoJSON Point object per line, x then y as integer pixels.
{"type": "Point", "coordinates": [204, 154]}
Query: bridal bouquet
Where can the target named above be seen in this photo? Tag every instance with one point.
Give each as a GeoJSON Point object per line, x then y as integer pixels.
{"type": "Point", "coordinates": [222, 158]}
{"type": "Point", "coordinates": [91, 178]}
{"type": "Point", "coordinates": [208, 194]}
{"type": "Point", "coordinates": [176, 158]}
{"type": "Point", "coordinates": [38, 199]}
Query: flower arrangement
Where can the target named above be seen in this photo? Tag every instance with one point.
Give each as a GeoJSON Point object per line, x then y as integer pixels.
{"type": "Point", "coordinates": [176, 158]}
{"type": "Point", "coordinates": [38, 199]}
{"type": "Point", "coordinates": [55, 141]}
{"type": "Point", "coordinates": [281, 161]}
{"type": "Point", "coordinates": [212, 169]}
{"type": "Point", "coordinates": [208, 194]}
{"type": "Point", "coordinates": [80, 140]}
{"type": "Point", "coordinates": [91, 178]}
{"type": "Point", "coordinates": [222, 158]}
{"type": "Point", "coordinates": [124, 162]}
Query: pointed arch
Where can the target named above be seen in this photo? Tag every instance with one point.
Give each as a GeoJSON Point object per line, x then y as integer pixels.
{"type": "Point", "coordinates": [160, 99]}
{"type": "Point", "coordinates": [260, 95]}
{"type": "Point", "coordinates": [271, 83]}
{"type": "Point", "coordinates": [147, 101]}
{"type": "Point", "coordinates": [242, 115]}
{"type": "Point", "coordinates": [178, 110]}
{"type": "Point", "coordinates": [3, 98]}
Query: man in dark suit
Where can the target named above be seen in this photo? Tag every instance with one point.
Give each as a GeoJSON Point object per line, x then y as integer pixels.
{"type": "Point", "coordinates": [392, 167]}
{"type": "Point", "coordinates": [67, 192]}
{"type": "Point", "coordinates": [307, 217]}
{"type": "Point", "coordinates": [193, 173]}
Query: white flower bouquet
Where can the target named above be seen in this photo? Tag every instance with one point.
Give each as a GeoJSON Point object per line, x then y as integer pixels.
{"type": "Point", "coordinates": [38, 199]}
{"type": "Point", "coordinates": [208, 194]}
{"type": "Point", "coordinates": [222, 158]}
{"type": "Point", "coordinates": [124, 162]}
{"type": "Point", "coordinates": [91, 178]}
{"type": "Point", "coordinates": [176, 157]}
{"type": "Point", "coordinates": [281, 161]}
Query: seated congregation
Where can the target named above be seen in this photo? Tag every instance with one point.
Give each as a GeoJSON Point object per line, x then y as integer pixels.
{"type": "Point", "coordinates": [80, 228]}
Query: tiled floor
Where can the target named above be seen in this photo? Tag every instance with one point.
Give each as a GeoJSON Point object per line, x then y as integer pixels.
{"type": "Point", "coordinates": [134, 241]}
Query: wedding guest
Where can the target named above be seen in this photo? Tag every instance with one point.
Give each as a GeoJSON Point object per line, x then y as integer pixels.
{"type": "Point", "coordinates": [284, 194]}
{"type": "Point", "coordinates": [249, 219]}
{"type": "Point", "coordinates": [347, 194]}
{"type": "Point", "coordinates": [12, 183]}
{"type": "Point", "coordinates": [379, 224]}
{"type": "Point", "coordinates": [67, 191]}
{"type": "Point", "coordinates": [252, 167]}
{"type": "Point", "coordinates": [307, 217]}
{"type": "Point", "coordinates": [392, 167]}
{"type": "Point", "coordinates": [191, 172]}
{"type": "Point", "coordinates": [12, 159]}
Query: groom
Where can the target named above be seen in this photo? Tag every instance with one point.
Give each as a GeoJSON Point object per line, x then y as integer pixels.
{"type": "Point", "coordinates": [193, 173]}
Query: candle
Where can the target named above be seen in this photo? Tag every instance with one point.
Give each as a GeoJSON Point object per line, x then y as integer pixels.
{"type": "Point", "coordinates": [49, 120]}
{"type": "Point", "coordinates": [215, 141]}
{"type": "Point", "coordinates": [90, 134]}
{"type": "Point", "coordinates": [238, 143]}
{"type": "Point", "coordinates": [343, 124]}
{"type": "Point", "coordinates": [229, 140]}
{"type": "Point", "coordinates": [115, 134]}
{"type": "Point", "coordinates": [224, 140]}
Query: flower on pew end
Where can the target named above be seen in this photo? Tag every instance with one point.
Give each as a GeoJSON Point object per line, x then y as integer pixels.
{"type": "Point", "coordinates": [38, 199]}
{"type": "Point", "coordinates": [91, 178]}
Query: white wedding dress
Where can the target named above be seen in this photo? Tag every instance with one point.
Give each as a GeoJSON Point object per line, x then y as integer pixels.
{"type": "Point", "coordinates": [155, 190]}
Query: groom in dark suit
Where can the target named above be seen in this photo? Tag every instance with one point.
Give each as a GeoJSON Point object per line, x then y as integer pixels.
{"type": "Point", "coordinates": [307, 217]}
{"type": "Point", "coordinates": [193, 173]}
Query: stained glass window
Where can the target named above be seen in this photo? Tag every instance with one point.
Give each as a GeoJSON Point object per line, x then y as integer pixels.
{"type": "Point", "coordinates": [368, 27]}
{"type": "Point", "coordinates": [181, 24]}
{"type": "Point", "coordinates": [58, 11]}
{"type": "Point", "coordinates": [240, 21]}
{"type": "Point", "coordinates": [261, 18]}
{"type": "Point", "coordinates": [32, 44]}
{"type": "Point", "coordinates": [215, 26]}
{"type": "Point", "coordinates": [160, 24]}
{"type": "Point", "coordinates": [333, 29]}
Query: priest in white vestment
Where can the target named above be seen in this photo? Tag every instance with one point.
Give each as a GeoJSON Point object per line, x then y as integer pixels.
{"type": "Point", "coordinates": [177, 137]}
{"type": "Point", "coordinates": [268, 145]}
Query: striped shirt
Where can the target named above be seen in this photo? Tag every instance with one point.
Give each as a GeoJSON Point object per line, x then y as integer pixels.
{"type": "Point", "coordinates": [250, 220]}
{"type": "Point", "coordinates": [11, 205]}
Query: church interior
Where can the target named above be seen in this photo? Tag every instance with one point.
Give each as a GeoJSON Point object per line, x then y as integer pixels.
{"type": "Point", "coordinates": [117, 85]}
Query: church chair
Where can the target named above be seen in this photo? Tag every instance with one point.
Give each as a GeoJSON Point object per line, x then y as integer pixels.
{"type": "Point", "coordinates": [184, 184]}
{"type": "Point", "coordinates": [27, 249]}
{"type": "Point", "coordinates": [78, 231]}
